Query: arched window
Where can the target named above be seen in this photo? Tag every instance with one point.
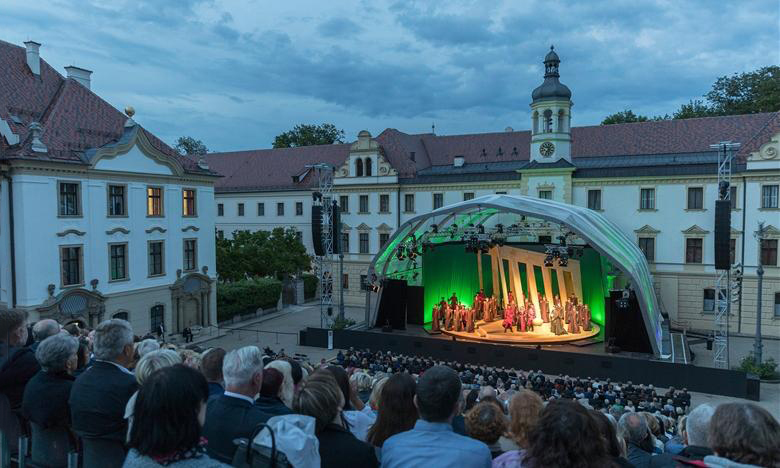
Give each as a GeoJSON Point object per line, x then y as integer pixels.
{"type": "Point", "coordinates": [368, 167]}
{"type": "Point", "coordinates": [561, 121]}
{"type": "Point", "coordinates": [121, 315]}
{"type": "Point", "coordinates": [548, 121]}
{"type": "Point", "coordinates": [358, 167]}
{"type": "Point", "coordinates": [157, 317]}
{"type": "Point", "coordinates": [536, 122]}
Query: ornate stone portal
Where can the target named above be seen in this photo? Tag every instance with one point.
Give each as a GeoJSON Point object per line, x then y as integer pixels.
{"type": "Point", "coordinates": [75, 305]}
{"type": "Point", "coordinates": [191, 299]}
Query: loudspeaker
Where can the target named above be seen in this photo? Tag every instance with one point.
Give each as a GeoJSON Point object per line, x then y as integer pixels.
{"type": "Point", "coordinates": [335, 228]}
{"type": "Point", "coordinates": [722, 234]}
{"type": "Point", "coordinates": [316, 229]}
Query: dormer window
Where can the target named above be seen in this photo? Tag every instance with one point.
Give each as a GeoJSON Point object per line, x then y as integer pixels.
{"type": "Point", "coordinates": [358, 167]}
{"type": "Point", "coordinates": [368, 167]}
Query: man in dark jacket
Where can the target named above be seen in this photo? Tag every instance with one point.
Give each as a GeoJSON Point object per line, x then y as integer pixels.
{"type": "Point", "coordinates": [234, 415]}
{"type": "Point", "coordinates": [211, 366]}
{"type": "Point", "coordinates": [42, 330]}
{"type": "Point", "coordinates": [633, 428]}
{"type": "Point", "coordinates": [17, 362]}
{"type": "Point", "coordinates": [46, 396]}
{"type": "Point", "coordinates": [697, 427]}
{"type": "Point", "coordinates": [100, 394]}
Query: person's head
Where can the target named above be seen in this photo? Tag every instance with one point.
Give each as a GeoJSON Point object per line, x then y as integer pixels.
{"type": "Point", "coordinates": [272, 382]}
{"type": "Point", "coordinates": [486, 391]}
{"type": "Point", "coordinates": [524, 410]}
{"type": "Point", "coordinates": [376, 392]}
{"type": "Point", "coordinates": [295, 370]}
{"type": "Point", "coordinates": [114, 341]}
{"type": "Point", "coordinates": [362, 381]}
{"type": "Point", "coordinates": [342, 380]}
{"type": "Point", "coordinates": [169, 411]}
{"type": "Point", "coordinates": [211, 364]}
{"type": "Point", "coordinates": [72, 328]}
{"type": "Point", "coordinates": [485, 422]}
{"type": "Point", "coordinates": [190, 358]}
{"type": "Point", "coordinates": [83, 353]}
{"type": "Point", "coordinates": [153, 361]}
{"type": "Point", "coordinates": [633, 428]}
{"type": "Point", "coordinates": [146, 346]}
{"type": "Point", "coordinates": [13, 327]}
{"type": "Point", "coordinates": [44, 329]}
{"type": "Point", "coordinates": [397, 412]}
{"type": "Point", "coordinates": [320, 397]}
{"type": "Point", "coordinates": [608, 433]}
{"type": "Point", "coordinates": [438, 396]}
{"type": "Point", "coordinates": [563, 436]}
{"type": "Point", "coordinates": [58, 353]}
{"type": "Point", "coordinates": [697, 425]}
{"type": "Point", "coordinates": [745, 433]}
{"type": "Point", "coordinates": [287, 391]}
{"type": "Point", "coordinates": [652, 422]}
{"type": "Point", "coordinates": [242, 369]}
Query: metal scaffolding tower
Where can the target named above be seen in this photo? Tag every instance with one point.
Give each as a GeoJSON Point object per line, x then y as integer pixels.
{"type": "Point", "coordinates": [723, 283]}
{"type": "Point", "coordinates": [324, 262]}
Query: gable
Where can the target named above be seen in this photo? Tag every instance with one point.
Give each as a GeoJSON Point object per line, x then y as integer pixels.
{"type": "Point", "coordinates": [695, 230]}
{"type": "Point", "coordinates": [134, 160]}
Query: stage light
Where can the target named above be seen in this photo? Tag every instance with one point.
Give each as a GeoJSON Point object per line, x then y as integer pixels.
{"type": "Point", "coordinates": [415, 275]}
{"type": "Point", "coordinates": [563, 261]}
{"type": "Point", "coordinates": [548, 261]}
{"type": "Point", "coordinates": [435, 228]}
{"type": "Point", "coordinates": [500, 228]}
{"type": "Point", "coordinates": [400, 254]}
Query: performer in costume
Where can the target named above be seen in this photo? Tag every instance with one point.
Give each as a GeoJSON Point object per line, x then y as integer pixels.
{"type": "Point", "coordinates": [544, 310]}
{"type": "Point", "coordinates": [435, 323]}
{"type": "Point", "coordinates": [470, 313]}
{"type": "Point", "coordinates": [449, 319]}
{"type": "Point", "coordinates": [458, 318]}
{"type": "Point", "coordinates": [453, 301]}
{"type": "Point", "coordinates": [521, 321]}
{"type": "Point", "coordinates": [510, 298]}
{"type": "Point", "coordinates": [574, 326]}
{"type": "Point", "coordinates": [477, 306]}
{"type": "Point", "coordinates": [586, 310]}
{"type": "Point", "coordinates": [509, 317]}
{"type": "Point", "coordinates": [530, 315]}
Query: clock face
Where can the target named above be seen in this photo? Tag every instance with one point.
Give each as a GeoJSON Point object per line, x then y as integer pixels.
{"type": "Point", "coordinates": [546, 149]}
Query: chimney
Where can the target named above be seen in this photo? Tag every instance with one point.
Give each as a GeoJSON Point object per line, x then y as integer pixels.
{"type": "Point", "coordinates": [509, 129]}
{"type": "Point", "coordinates": [81, 75]}
{"type": "Point", "coordinates": [33, 57]}
{"type": "Point", "coordinates": [458, 161]}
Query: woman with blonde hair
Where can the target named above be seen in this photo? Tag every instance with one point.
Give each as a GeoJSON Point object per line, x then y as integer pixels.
{"type": "Point", "coordinates": [149, 363]}
{"type": "Point", "coordinates": [287, 390]}
{"type": "Point", "coordinates": [524, 410]}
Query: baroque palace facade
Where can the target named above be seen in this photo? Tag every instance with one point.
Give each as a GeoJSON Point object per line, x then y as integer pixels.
{"type": "Point", "coordinates": [656, 180]}
{"type": "Point", "coordinates": [98, 217]}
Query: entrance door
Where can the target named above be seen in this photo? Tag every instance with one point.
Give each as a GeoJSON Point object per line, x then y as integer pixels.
{"type": "Point", "coordinates": [190, 313]}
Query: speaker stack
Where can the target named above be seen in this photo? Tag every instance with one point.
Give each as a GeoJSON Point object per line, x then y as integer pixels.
{"type": "Point", "coordinates": [722, 234]}
{"type": "Point", "coordinates": [316, 229]}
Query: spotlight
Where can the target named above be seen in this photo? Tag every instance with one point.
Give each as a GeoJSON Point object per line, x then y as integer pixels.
{"type": "Point", "coordinates": [723, 189]}
{"type": "Point", "coordinates": [400, 254]}
{"type": "Point", "coordinates": [548, 261]}
{"type": "Point", "coordinates": [563, 260]}
{"type": "Point", "coordinates": [415, 275]}
{"type": "Point", "coordinates": [500, 228]}
{"type": "Point", "coordinates": [435, 228]}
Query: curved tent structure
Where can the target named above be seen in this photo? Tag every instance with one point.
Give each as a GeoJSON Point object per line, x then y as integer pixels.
{"type": "Point", "coordinates": [600, 234]}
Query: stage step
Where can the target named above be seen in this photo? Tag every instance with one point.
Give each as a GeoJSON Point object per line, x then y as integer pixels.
{"type": "Point", "coordinates": [667, 350]}
{"type": "Point", "coordinates": [681, 352]}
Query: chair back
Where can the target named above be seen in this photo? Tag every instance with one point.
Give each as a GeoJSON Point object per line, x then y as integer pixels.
{"type": "Point", "coordinates": [99, 453]}
{"type": "Point", "coordinates": [50, 446]}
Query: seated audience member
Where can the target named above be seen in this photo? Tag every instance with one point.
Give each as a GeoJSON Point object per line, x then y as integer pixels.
{"type": "Point", "coordinates": [233, 415]}
{"type": "Point", "coordinates": [42, 330]}
{"type": "Point", "coordinates": [486, 423]}
{"type": "Point", "coordinates": [151, 362]}
{"type": "Point", "coordinates": [397, 412]}
{"type": "Point", "coordinates": [524, 410]}
{"type": "Point", "coordinates": [362, 383]}
{"type": "Point", "coordinates": [190, 358]}
{"type": "Point", "coordinates": [432, 441]}
{"type": "Point", "coordinates": [321, 398]}
{"type": "Point", "coordinates": [613, 445]}
{"type": "Point", "coordinates": [45, 401]}
{"type": "Point", "coordinates": [697, 426]}
{"type": "Point", "coordinates": [743, 435]}
{"type": "Point", "coordinates": [168, 417]}
{"type": "Point", "coordinates": [73, 329]}
{"type": "Point", "coordinates": [287, 391]}
{"type": "Point", "coordinates": [146, 346]}
{"type": "Point", "coordinates": [17, 362]}
{"type": "Point", "coordinates": [100, 394]}
{"type": "Point", "coordinates": [83, 355]}
{"type": "Point", "coordinates": [563, 436]}
{"type": "Point", "coordinates": [296, 370]}
{"type": "Point", "coordinates": [677, 442]}
{"type": "Point", "coordinates": [269, 401]}
{"type": "Point", "coordinates": [655, 428]}
{"type": "Point", "coordinates": [358, 416]}
{"type": "Point", "coordinates": [639, 441]}
{"type": "Point", "coordinates": [211, 366]}
{"type": "Point", "coordinates": [376, 394]}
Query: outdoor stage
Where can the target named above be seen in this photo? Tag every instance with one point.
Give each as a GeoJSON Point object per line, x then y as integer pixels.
{"type": "Point", "coordinates": [493, 332]}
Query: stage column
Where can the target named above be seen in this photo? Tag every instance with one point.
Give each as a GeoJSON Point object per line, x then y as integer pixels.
{"type": "Point", "coordinates": [514, 272]}
{"type": "Point", "coordinates": [547, 284]}
{"type": "Point", "coordinates": [479, 269]}
{"type": "Point", "coordinates": [531, 278]}
{"type": "Point", "coordinates": [577, 280]}
{"type": "Point", "coordinates": [503, 278]}
{"type": "Point", "coordinates": [494, 266]}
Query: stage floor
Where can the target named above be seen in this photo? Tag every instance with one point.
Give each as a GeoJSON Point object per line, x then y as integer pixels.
{"type": "Point", "coordinates": [493, 332]}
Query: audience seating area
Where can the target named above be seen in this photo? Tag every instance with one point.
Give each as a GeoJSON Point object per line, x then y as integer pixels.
{"type": "Point", "coordinates": [105, 397]}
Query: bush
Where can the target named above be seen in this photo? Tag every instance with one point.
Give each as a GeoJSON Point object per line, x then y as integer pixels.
{"type": "Point", "coordinates": [341, 323]}
{"type": "Point", "coordinates": [767, 370]}
{"type": "Point", "coordinates": [309, 285]}
{"type": "Point", "coordinates": [245, 296]}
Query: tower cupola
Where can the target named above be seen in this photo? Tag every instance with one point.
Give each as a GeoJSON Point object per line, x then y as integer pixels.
{"type": "Point", "coordinates": [551, 115]}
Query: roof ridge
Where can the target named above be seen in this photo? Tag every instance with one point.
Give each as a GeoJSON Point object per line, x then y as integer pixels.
{"type": "Point", "coordinates": [664, 121]}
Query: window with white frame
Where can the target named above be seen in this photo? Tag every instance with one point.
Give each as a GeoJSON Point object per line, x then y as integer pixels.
{"type": "Point", "coordinates": [647, 199]}
{"type": "Point", "coordinates": [594, 199]}
{"type": "Point", "coordinates": [769, 194]}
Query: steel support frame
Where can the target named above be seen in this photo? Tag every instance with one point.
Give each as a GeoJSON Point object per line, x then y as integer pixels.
{"type": "Point", "coordinates": [324, 263]}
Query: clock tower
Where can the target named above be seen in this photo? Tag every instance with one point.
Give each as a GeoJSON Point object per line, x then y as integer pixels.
{"type": "Point", "coordinates": [551, 115]}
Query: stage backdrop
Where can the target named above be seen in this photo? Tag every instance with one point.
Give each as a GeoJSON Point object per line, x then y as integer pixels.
{"type": "Point", "coordinates": [449, 268]}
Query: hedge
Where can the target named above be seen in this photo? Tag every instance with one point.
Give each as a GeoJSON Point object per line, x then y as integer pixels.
{"type": "Point", "coordinates": [309, 285]}
{"type": "Point", "coordinates": [245, 296]}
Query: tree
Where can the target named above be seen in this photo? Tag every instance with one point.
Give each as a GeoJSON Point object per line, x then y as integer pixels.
{"type": "Point", "coordinates": [309, 135]}
{"type": "Point", "coordinates": [694, 108]}
{"type": "Point", "coordinates": [187, 145]}
{"type": "Point", "coordinates": [746, 93]}
{"type": "Point", "coordinates": [626, 116]}
{"type": "Point", "coordinates": [276, 253]}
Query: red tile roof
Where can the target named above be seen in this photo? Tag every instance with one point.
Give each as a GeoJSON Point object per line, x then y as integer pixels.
{"type": "Point", "coordinates": [73, 117]}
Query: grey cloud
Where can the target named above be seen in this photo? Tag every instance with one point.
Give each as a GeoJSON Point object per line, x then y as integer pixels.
{"type": "Point", "coordinates": [339, 28]}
